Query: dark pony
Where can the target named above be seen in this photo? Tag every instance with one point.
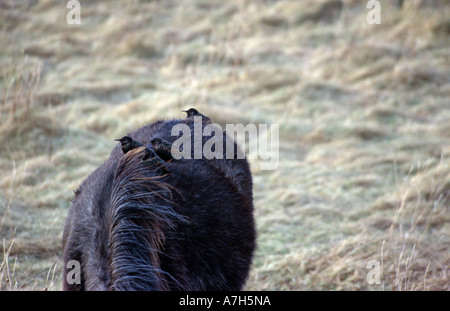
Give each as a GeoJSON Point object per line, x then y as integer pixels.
{"type": "Point", "coordinates": [134, 225]}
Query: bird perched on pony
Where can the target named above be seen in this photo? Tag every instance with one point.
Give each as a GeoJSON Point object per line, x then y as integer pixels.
{"type": "Point", "coordinates": [192, 112]}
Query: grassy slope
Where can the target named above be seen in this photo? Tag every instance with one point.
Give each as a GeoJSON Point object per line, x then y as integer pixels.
{"type": "Point", "coordinates": [363, 111]}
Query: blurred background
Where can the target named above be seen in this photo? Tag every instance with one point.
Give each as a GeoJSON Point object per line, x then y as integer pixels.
{"type": "Point", "coordinates": [364, 114]}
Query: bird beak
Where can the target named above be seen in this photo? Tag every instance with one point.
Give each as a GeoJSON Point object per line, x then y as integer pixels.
{"type": "Point", "coordinates": [118, 139]}
{"type": "Point", "coordinates": [184, 110]}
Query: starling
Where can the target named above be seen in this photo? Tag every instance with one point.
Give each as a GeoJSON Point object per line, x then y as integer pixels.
{"type": "Point", "coordinates": [192, 112]}
{"type": "Point", "coordinates": [153, 158]}
{"type": "Point", "coordinates": [163, 148]}
{"type": "Point", "coordinates": [128, 143]}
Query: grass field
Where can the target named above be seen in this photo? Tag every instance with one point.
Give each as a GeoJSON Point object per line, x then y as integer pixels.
{"type": "Point", "coordinates": [364, 115]}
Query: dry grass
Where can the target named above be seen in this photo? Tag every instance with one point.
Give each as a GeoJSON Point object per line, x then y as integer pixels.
{"type": "Point", "coordinates": [363, 111]}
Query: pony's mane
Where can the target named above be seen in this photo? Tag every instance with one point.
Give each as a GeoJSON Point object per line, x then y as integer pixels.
{"type": "Point", "coordinates": [141, 210]}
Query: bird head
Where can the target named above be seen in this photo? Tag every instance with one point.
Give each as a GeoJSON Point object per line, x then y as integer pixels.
{"type": "Point", "coordinates": [124, 140]}
{"type": "Point", "coordinates": [148, 154]}
{"type": "Point", "coordinates": [156, 142]}
{"type": "Point", "coordinates": [191, 112]}
{"type": "Point", "coordinates": [127, 143]}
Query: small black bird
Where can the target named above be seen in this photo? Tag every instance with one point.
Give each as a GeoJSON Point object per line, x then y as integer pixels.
{"type": "Point", "coordinates": [128, 143]}
{"type": "Point", "coordinates": [163, 148]}
{"type": "Point", "coordinates": [151, 157]}
{"type": "Point", "coordinates": [192, 112]}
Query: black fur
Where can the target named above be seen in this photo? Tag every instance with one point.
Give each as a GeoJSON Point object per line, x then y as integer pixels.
{"type": "Point", "coordinates": [133, 226]}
